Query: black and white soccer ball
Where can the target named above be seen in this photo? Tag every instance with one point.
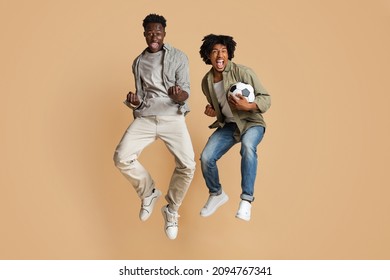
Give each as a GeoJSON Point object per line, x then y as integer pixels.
{"type": "Point", "coordinates": [244, 89]}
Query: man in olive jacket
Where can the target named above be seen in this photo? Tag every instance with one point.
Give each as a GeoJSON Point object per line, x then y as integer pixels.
{"type": "Point", "coordinates": [238, 120]}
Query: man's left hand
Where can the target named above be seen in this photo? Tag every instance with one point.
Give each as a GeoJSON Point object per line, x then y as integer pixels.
{"type": "Point", "coordinates": [239, 102]}
{"type": "Point", "coordinates": [177, 94]}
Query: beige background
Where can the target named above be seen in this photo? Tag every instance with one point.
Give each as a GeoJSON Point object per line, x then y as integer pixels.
{"type": "Point", "coordinates": [323, 185]}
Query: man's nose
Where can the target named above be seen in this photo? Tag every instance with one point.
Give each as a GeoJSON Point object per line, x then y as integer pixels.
{"type": "Point", "coordinates": [221, 52]}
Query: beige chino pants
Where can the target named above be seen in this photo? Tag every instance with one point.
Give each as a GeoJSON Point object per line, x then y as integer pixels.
{"type": "Point", "coordinates": [143, 131]}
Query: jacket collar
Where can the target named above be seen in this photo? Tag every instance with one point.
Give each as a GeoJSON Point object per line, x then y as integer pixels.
{"type": "Point", "coordinates": [228, 66]}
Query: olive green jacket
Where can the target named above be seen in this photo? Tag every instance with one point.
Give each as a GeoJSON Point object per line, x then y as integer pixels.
{"type": "Point", "coordinates": [237, 73]}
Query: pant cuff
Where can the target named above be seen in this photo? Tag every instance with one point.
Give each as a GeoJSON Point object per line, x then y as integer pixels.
{"type": "Point", "coordinates": [215, 193]}
{"type": "Point", "coordinates": [246, 197]}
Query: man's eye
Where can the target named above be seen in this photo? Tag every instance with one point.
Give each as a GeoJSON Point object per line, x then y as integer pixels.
{"type": "Point", "coordinates": [154, 34]}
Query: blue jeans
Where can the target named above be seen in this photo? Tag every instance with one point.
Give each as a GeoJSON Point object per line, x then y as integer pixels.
{"type": "Point", "coordinates": [218, 144]}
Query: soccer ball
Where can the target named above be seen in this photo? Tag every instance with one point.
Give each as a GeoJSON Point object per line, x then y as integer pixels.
{"type": "Point", "coordinates": [245, 90]}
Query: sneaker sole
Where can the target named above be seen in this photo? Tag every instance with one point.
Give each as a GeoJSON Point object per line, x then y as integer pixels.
{"type": "Point", "coordinates": [222, 202]}
{"type": "Point", "coordinates": [244, 218]}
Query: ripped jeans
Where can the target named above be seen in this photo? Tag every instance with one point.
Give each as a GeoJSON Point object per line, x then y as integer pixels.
{"type": "Point", "coordinates": [143, 131]}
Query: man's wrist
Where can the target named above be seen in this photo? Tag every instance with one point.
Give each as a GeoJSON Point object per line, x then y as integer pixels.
{"type": "Point", "coordinates": [135, 106]}
{"type": "Point", "coordinates": [132, 106]}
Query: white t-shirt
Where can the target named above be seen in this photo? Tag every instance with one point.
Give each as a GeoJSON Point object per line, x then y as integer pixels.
{"type": "Point", "coordinates": [156, 100]}
{"type": "Point", "coordinates": [222, 100]}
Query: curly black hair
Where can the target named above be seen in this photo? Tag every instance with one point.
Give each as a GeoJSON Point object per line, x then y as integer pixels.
{"type": "Point", "coordinates": [154, 18]}
{"type": "Point", "coordinates": [210, 40]}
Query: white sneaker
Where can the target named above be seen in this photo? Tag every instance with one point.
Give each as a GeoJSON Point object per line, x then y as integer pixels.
{"type": "Point", "coordinates": [213, 203]}
{"type": "Point", "coordinates": [171, 226]}
{"type": "Point", "coordinates": [147, 205]}
{"type": "Point", "coordinates": [244, 211]}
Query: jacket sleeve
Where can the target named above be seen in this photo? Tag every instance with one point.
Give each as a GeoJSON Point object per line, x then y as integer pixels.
{"type": "Point", "coordinates": [133, 68]}
{"type": "Point", "coordinates": [262, 97]}
{"type": "Point", "coordinates": [182, 73]}
{"type": "Point", "coordinates": [205, 90]}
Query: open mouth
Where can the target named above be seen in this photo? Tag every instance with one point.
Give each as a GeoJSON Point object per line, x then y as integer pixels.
{"type": "Point", "coordinates": [220, 63]}
{"type": "Point", "coordinates": [154, 46]}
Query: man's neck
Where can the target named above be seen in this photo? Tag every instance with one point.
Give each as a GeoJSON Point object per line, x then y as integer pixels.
{"type": "Point", "coordinates": [217, 76]}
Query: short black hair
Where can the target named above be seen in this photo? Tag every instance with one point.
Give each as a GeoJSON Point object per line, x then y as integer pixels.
{"type": "Point", "coordinates": [154, 18]}
{"type": "Point", "coordinates": [210, 40]}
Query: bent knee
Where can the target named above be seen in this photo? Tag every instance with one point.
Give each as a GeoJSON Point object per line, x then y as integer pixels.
{"type": "Point", "coordinates": [121, 161]}
{"type": "Point", "coordinates": [206, 158]}
{"type": "Point", "coordinates": [189, 167]}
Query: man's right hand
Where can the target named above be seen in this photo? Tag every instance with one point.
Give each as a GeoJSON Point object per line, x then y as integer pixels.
{"type": "Point", "coordinates": [209, 111]}
{"type": "Point", "coordinates": [133, 99]}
